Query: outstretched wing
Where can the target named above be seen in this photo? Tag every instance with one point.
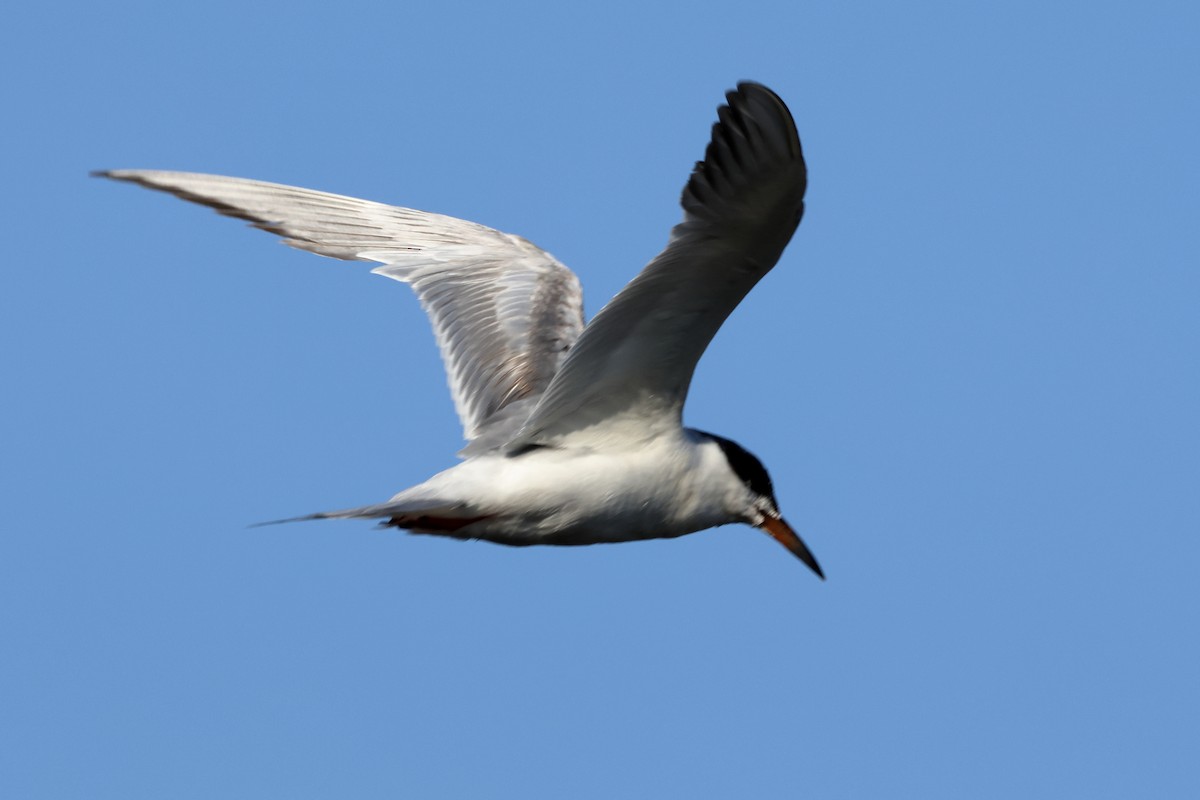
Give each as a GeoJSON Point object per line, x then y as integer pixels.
{"type": "Point", "coordinates": [504, 311]}
{"type": "Point", "coordinates": [628, 375]}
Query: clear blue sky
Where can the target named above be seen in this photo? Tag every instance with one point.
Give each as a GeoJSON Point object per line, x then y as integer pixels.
{"type": "Point", "coordinates": [973, 377]}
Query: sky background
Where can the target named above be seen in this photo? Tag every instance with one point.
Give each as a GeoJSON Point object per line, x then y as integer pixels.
{"type": "Point", "coordinates": [973, 376]}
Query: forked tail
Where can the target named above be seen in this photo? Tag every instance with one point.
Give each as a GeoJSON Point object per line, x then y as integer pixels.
{"type": "Point", "coordinates": [447, 519]}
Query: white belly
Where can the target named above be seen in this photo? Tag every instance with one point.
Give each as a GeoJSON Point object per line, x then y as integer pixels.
{"type": "Point", "coordinates": [553, 496]}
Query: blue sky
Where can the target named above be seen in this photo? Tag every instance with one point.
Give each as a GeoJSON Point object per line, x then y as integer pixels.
{"type": "Point", "coordinates": [973, 377]}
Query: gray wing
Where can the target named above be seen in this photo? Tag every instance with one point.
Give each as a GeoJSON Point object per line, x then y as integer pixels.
{"type": "Point", "coordinates": [504, 312]}
{"type": "Point", "coordinates": [628, 375]}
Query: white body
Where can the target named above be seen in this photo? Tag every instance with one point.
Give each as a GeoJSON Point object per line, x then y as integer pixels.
{"type": "Point", "coordinates": [671, 486]}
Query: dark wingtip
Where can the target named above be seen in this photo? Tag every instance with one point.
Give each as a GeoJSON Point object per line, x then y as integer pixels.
{"type": "Point", "coordinates": [749, 90]}
{"type": "Point", "coordinates": [752, 87]}
{"type": "Point", "coordinates": [116, 175]}
{"type": "Point", "coordinates": [755, 137]}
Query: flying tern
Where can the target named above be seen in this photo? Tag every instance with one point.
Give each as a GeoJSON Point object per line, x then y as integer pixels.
{"type": "Point", "coordinates": [574, 430]}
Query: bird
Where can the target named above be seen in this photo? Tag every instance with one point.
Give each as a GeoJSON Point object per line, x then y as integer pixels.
{"type": "Point", "coordinates": [574, 430]}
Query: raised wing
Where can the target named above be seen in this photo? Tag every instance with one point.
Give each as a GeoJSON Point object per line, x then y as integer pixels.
{"type": "Point", "coordinates": [504, 311]}
{"type": "Point", "coordinates": [628, 375]}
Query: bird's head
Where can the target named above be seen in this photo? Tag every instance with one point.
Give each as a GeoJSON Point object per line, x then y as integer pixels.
{"type": "Point", "coordinates": [761, 509]}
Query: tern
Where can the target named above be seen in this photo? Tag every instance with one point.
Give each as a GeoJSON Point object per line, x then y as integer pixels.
{"type": "Point", "coordinates": [574, 431]}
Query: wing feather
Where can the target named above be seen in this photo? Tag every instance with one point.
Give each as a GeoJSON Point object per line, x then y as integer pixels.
{"type": "Point", "coordinates": [628, 375]}
{"type": "Point", "coordinates": [504, 312]}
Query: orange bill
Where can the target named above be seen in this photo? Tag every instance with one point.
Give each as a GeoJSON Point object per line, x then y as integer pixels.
{"type": "Point", "coordinates": [783, 533]}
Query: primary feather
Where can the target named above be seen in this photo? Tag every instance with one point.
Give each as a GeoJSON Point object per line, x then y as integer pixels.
{"type": "Point", "coordinates": [503, 310]}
